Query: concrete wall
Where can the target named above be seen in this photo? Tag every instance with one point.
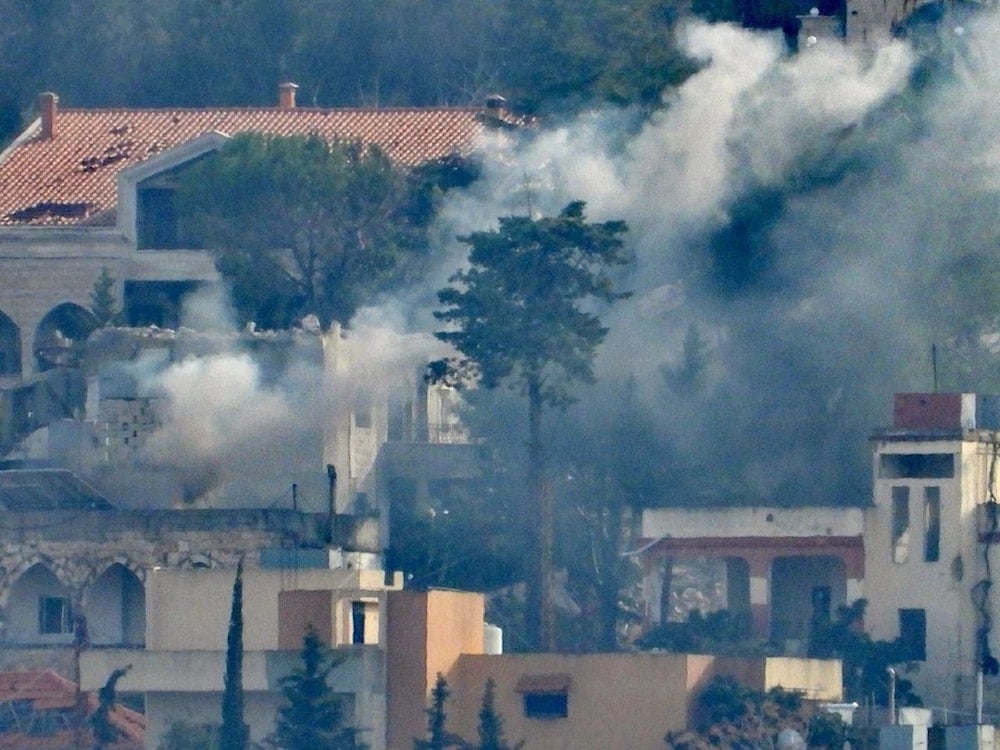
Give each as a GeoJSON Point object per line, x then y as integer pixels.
{"type": "Point", "coordinates": [45, 267]}
{"type": "Point", "coordinates": [427, 633]}
{"type": "Point", "coordinates": [942, 588]}
{"type": "Point", "coordinates": [189, 609]}
{"type": "Point", "coordinates": [628, 700]}
{"type": "Point", "coordinates": [686, 523]}
{"type": "Point", "coordinates": [614, 700]}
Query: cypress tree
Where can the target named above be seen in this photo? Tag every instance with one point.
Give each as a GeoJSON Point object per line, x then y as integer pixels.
{"type": "Point", "coordinates": [234, 733]}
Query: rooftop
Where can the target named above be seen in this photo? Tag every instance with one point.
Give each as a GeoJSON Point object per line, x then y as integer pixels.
{"type": "Point", "coordinates": [63, 169]}
{"type": "Point", "coordinates": [41, 490]}
{"type": "Point", "coordinates": [36, 708]}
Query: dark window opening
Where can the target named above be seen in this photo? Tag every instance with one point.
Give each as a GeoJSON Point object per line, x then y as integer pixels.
{"type": "Point", "coordinates": [546, 705]}
{"type": "Point", "coordinates": [357, 622]}
{"type": "Point", "coordinates": [932, 524]}
{"type": "Point", "coordinates": [156, 220]}
{"type": "Point", "coordinates": [155, 303]}
{"type": "Point", "coordinates": [900, 524]}
{"type": "Point", "coordinates": [916, 466]}
{"type": "Point", "coordinates": [913, 634]}
{"type": "Point", "coordinates": [54, 615]}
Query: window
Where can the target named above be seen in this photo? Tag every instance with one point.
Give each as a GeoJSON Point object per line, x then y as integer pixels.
{"type": "Point", "coordinates": [157, 219]}
{"type": "Point", "coordinates": [900, 550]}
{"type": "Point", "coordinates": [916, 466]}
{"type": "Point", "coordinates": [546, 696]}
{"type": "Point", "coordinates": [913, 634]}
{"type": "Point", "coordinates": [357, 622]}
{"type": "Point", "coordinates": [54, 615]}
{"type": "Point", "coordinates": [546, 705]}
{"type": "Point", "coordinates": [932, 524]}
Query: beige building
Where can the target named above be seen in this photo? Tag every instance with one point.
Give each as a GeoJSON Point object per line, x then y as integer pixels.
{"type": "Point", "coordinates": [557, 701]}
{"type": "Point", "coordinates": [180, 670]}
{"type": "Point", "coordinates": [787, 569]}
{"type": "Point", "coordinates": [930, 543]}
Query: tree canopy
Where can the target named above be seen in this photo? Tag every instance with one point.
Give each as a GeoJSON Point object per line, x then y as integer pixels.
{"type": "Point", "coordinates": [302, 226]}
{"type": "Point", "coordinates": [312, 715]}
{"type": "Point", "coordinates": [517, 315]}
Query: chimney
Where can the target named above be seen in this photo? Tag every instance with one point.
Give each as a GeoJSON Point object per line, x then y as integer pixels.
{"type": "Point", "coordinates": [286, 95]}
{"type": "Point", "coordinates": [47, 107]}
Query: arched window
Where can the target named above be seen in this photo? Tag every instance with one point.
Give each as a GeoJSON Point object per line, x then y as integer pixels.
{"type": "Point", "coordinates": [61, 334]}
{"type": "Point", "coordinates": [10, 346]}
{"type": "Point", "coordinates": [115, 608]}
{"type": "Point", "coordinates": [40, 609]}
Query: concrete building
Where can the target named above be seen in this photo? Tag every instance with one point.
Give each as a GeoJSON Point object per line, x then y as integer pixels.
{"type": "Point", "coordinates": [787, 568]}
{"type": "Point", "coordinates": [558, 701]}
{"type": "Point", "coordinates": [86, 190]}
{"type": "Point", "coordinates": [68, 556]}
{"type": "Point", "coordinates": [181, 667]}
{"type": "Point", "coordinates": [930, 543]}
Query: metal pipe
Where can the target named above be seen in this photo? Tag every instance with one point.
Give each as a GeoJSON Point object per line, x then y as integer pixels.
{"type": "Point", "coordinates": [979, 696]}
{"type": "Point", "coordinates": [892, 695]}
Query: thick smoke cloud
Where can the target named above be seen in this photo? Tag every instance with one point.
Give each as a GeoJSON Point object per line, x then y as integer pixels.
{"type": "Point", "coordinates": [804, 215]}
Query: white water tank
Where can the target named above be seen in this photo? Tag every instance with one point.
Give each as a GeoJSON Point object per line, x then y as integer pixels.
{"type": "Point", "coordinates": [492, 639]}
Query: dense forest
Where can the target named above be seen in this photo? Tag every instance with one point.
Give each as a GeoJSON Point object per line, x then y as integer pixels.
{"type": "Point", "coordinates": [341, 52]}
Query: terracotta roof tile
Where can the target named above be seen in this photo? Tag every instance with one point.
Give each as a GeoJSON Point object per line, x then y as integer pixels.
{"type": "Point", "coordinates": [47, 690]}
{"type": "Point", "coordinates": [71, 178]}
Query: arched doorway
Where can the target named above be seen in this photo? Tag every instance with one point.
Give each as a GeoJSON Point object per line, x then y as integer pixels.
{"type": "Point", "coordinates": [116, 608]}
{"type": "Point", "coordinates": [61, 334]}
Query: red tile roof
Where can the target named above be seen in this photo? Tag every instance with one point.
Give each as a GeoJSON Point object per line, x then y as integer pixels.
{"type": "Point", "coordinates": [71, 178]}
{"type": "Point", "coordinates": [47, 691]}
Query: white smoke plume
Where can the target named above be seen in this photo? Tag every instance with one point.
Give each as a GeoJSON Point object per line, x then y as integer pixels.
{"type": "Point", "coordinates": [798, 212]}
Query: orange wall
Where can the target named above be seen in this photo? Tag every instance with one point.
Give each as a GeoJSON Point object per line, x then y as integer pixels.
{"type": "Point", "coordinates": [426, 632]}
{"type": "Point", "coordinates": [615, 700]}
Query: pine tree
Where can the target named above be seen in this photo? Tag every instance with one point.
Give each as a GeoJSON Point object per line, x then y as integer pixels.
{"type": "Point", "coordinates": [438, 738]}
{"type": "Point", "coordinates": [491, 723]}
{"type": "Point", "coordinates": [234, 733]}
{"type": "Point", "coordinates": [102, 299]}
{"type": "Point", "coordinates": [312, 717]}
{"type": "Point", "coordinates": [522, 313]}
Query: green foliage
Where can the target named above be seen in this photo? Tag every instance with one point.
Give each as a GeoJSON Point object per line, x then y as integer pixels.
{"type": "Point", "coordinates": [739, 718]}
{"type": "Point", "coordinates": [517, 315]}
{"type": "Point", "coordinates": [234, 733]}
{"type": "Point", "coordinates": [342, 52]}
{"type": "Point", "coordinates": [303, 226]}
{"type": "Point", "coordinates": [102, 300]}
{"type": "Point", "coordinates": [865, 662]}
{"type": "Point", "coordinates": [532, 277]}
{"type": "Point", "coordinates": [104, 731]}
{"type": "Point", "coordinates": [826, 730]}
{"type": "Point", "coordinates": [491, 723]}
{"type": "Point", "coordinates": [438, 737]}
{"type": "Point", "coordinates": [312, 715]}
{"type": "Point", "coordinates": [459, 535]}
{"type": "Point", "coordinates": [720, 632]}
{"type": "Point", "coordinates": [181, 736]}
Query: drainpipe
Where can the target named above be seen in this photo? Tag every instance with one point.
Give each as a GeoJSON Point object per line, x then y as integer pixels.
{"type": "Point", "coordinates": [331, 472]}
{"type": "Point", "coordinates": [892, 695]}
{"type": "Point", "coordinates": [979, 696]}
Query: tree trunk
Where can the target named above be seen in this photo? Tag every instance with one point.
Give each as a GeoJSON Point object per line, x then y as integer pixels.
{"type": "Point", "coordinates": [610, 579]}
{"type": "Point", "coordinates": [540, 616]}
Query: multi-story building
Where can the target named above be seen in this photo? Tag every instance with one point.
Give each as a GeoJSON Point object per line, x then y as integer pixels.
{"type": "Point", "coordinates": [930, 539]}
